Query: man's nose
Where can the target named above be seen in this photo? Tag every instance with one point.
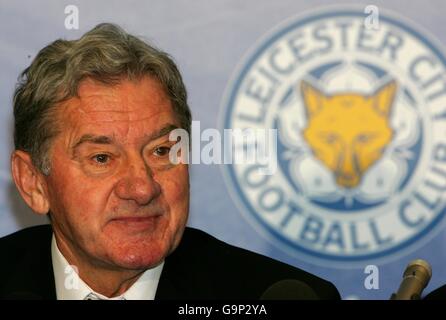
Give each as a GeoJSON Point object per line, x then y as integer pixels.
{"type": "Point", "coordinates": [138, 183]}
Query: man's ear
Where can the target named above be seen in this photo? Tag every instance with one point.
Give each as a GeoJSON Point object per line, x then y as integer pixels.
{"type": "Point", "coordinates": [30, 182]}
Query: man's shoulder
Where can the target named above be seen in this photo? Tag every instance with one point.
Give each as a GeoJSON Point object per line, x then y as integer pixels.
{"type": "Point", "coordinates": [24, 239]}
{"type": "Point", "coordinates": [232, 264]}
{"type": "Point", "coordinates": [21, 245]}
{"type": "Point", "coordinates": [437, 294]}
{"type": "Point", "coordinates": [26, 270]}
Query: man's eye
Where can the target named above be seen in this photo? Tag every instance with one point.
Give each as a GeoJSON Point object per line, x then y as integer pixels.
{"type": "Point", "coordinates": [101, 158]}
{"type": "Point", "coordinates": [161, 151]}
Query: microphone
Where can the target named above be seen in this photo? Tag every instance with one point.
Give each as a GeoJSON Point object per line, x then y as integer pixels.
{"type": "Point", "coordinates": [415, 279]}
{"type": "Point", "coordinates": [289, 289]}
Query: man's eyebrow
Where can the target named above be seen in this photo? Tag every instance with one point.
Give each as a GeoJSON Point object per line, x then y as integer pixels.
{"type": "Point", "coordinates": [92, 139]}
{"type": "Point", "coordinates": [109, 140]}
{"type": "Point", "coordinates": [161, 132]}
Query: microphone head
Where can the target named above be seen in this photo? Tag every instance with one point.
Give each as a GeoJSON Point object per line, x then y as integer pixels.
{"type": "Point", "coordinates": [416, 276]}
{"type": "Point", "coordinates": [419, 265]}
{"type": "Point", "coordinates": [289, 289]}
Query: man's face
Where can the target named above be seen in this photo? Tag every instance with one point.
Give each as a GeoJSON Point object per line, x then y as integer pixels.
{"type": "Point", "coordinates": [115, 198]}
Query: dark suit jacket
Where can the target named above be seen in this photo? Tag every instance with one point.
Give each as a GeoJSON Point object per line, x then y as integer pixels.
{"type": "Point", "coordinates": [202, 267]}
{"type": "Point", "coordinates": [437, 294]}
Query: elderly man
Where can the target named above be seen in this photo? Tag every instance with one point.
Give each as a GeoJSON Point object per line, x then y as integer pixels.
{"type": "Point", "coordinates": [92, 124]}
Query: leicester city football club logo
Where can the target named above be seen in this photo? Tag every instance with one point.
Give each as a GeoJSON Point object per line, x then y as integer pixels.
{"type": "Point", "coordinates": [361, 146]}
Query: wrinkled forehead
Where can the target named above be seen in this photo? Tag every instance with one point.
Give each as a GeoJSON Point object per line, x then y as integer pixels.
{"type": "Point", "coordinates": [128, 109]}
{"type": "Point", "coordinates": [128, 97]}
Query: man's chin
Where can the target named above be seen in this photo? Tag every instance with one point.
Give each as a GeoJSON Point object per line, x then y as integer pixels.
{"type": "Point", "coordinates": [141, 250]}
{"type": "Point", "coordinates": [135, 259]}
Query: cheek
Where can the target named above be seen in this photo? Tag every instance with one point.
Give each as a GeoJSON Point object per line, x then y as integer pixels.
{"type": "Point", "coordinates": [175, 188]}
{"type": "Point", "coordinates": [75, 198]}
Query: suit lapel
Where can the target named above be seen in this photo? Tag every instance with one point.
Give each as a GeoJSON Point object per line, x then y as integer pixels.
{"type": "Point", "coordinates": [172, 280]}
{"type": "Point", "coordinates": [177, 275]}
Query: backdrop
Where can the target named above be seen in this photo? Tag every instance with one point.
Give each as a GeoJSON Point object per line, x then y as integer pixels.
{"type": "Point", "coordinates": [260, 64]}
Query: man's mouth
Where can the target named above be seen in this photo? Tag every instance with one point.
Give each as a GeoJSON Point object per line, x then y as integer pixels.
{"type": "Point", "coordinates": [138, 223]}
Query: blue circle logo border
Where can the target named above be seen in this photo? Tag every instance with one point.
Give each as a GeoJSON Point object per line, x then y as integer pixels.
{"type": "Point", "coordinates": [226, 111]}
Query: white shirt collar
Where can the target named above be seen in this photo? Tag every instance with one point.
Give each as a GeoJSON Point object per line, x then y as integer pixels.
{"type": "Point", "coordinates": [69, 286]}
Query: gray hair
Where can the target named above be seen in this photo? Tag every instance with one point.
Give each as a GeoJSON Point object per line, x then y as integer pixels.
{"type": "Point", "coordinates": [106, 54]}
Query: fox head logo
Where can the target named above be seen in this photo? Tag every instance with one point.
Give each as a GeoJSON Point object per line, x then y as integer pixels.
{"type": "Point", "coordinates": [348, 132]}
